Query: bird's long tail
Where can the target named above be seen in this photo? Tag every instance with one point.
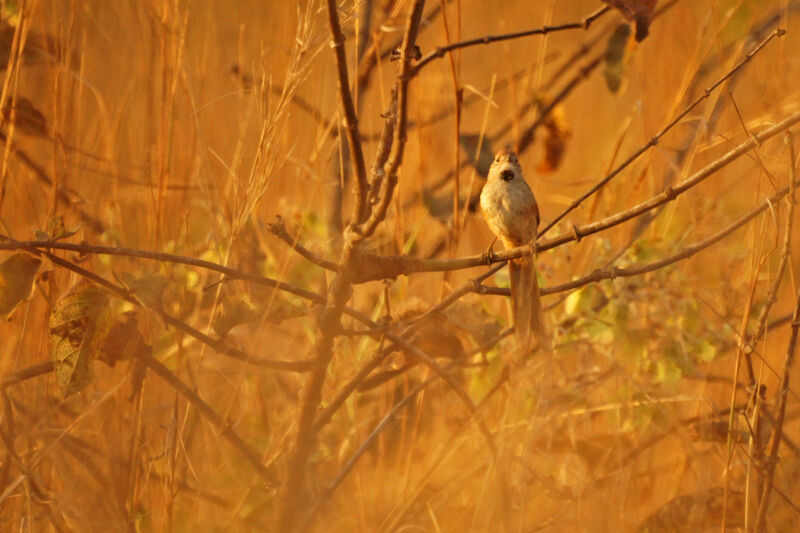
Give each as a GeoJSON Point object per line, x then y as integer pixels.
{"type": "Point", "coordinates": [525, 302]}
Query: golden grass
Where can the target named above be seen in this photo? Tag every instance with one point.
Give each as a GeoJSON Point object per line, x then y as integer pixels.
{"type": "Point", "coordinates": [150, 133]}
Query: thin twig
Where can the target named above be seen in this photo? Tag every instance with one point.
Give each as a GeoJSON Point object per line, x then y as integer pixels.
{"type": "Point", "coordinates": [488, 39]}
{"type": "Point", "coordinates": [787, 367]}
{"type": "Point", "coordinates": [654, 140]}
{"type": "Point", "coordinates": [612, 272]}
{"type": "Point", "coordinates": [224, 428]}
{"type": "Point", "coordinates": [526, 139]}
{"type": "Point", "coordinates": [772, 295]}
{"type": "Point", "coordinates": [25, 374]}
{"type": "Point", "coordinates": [219, 346]}
{"type": "Point", "coordinates": [349, 109]}
{"type": "Point", "coordinates": [278, 228]}
{"type": "Point", "coordinates": [389, 178]}
{"type": "Point", "coordinates": [777, 432]}
{"type": "Point", "coordinates": [373, 267]}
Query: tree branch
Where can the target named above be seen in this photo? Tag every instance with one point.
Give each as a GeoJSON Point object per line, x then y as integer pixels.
{"type": "Point", "coordinates": [278, 228]}
{"type": "Point", "coordinates": [373, 267]}
{"type": "Point", "coordinates": [225, 430]}
{"type": "Point", "coordinates": [783, 393]}
{"type": "Point", "coordinates": [654, 140]}
{"type": "Point", "coordinates": [219, 346]}
{"type": "Point", "coordinates": [349, 110]}
{"type": "Point", "coordinates": [389, 178]}
{"type": "Point", "coordinates": [777, 433]}
{"type": "Point", "coordinates": [612, 272]}
{"type": "Point", "coordinates": [488, 39]}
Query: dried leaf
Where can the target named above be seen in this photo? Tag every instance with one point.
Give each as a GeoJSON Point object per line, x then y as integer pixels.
{"type": "Point", "coordinates": [639, 11]}
{"type": "Point", "coordinates": [474, 320]}
{"type": "Point", "coordinates": [557, 133]}
{"type": "Point", "coordinates": [149, 289]}
{"type": "Point", "coordinates": [79, 325]}
{"type": "Point", "coordinates": [56, 230]}
{"type": "Point", "coordinates": [122, 341]}
{"type": "Point", "coordinates": [282, 309]}
{"type": "Point", "coordinates": [235, 311]}
{"type": "Point", "coordinates": [616, 57]}
{"type": "Point", "coordinates": [17, 274]}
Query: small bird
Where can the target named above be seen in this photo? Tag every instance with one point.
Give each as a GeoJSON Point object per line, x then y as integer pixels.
{"type": "Point", "coordinates": [510, 210]}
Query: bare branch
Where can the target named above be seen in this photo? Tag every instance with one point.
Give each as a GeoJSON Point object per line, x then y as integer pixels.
{"type": "Point", "coordinates": [613, 272]}
{"type": "Point", "coordinates": [488, 39]}
{"type": "Point", "coordinates": [231, 273]}
{"type": "Point", "coordinates": [528, 136]}
{"type": "Point", "coordinates": [278, 228]}
{"type": "Point", "coordinates": [778, 431]}
{"type": "Point", "coordinates": [389, 178]}
{"type": "Point", "coordinates": [350, 118]}
{"type": "Point", "coordinates": [654, 140]}
{"type": "Point", "coordinates": [221, 347]}
{"type": "Point", "coordinates": [783, 393]}
{"type": "Point", "coordinates": [380, 267]}
{"type": "Point", "coordinates": [225, 430]}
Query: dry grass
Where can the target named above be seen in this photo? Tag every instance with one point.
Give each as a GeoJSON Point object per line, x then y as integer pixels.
{"type": "Point", "coordinates": [158, 145]}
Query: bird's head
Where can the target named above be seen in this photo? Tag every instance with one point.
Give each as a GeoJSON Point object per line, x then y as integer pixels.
{"type": "Point", "coordinates": [505, 167]}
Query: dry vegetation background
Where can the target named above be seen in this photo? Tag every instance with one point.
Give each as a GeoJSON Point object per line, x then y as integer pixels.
{"type": "Point", "coordinates": [186, 127]}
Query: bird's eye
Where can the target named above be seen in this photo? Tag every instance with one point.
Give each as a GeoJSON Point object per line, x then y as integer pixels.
{"type": "Point", "coordinates": [507, 175]}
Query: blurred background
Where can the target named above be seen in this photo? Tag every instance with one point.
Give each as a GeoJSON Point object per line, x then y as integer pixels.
{"type": "Point", "coordinates": [188, 127]}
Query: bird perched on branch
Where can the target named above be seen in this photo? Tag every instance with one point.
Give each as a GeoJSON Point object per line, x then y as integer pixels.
{"type": "Point", "coordinates": [512, 214]}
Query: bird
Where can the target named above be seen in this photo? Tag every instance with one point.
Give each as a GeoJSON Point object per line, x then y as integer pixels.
{"type": "Point", "coordinates": [510, 209]}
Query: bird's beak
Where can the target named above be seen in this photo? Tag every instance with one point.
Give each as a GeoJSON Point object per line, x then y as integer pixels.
{"type": "Point", "coordinates": [507, 172]}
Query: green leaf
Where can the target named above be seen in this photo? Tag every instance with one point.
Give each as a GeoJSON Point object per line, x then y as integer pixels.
{"type": "Point", "coordinates": [17, 274]}
{"type": "Point", "coordinates": [614, 70]}
{"type": "Point", "coordinates": [79, 324]}
{"type": "Point", "coordinates": [706, 352]}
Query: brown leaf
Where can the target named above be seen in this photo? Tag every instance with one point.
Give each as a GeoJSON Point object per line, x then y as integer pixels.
{"type": "Point", "coordinates": [639, 11]}
{"type": "Point", "coordinates": [122, 341]}
{"type": "Point", "coordinates": [79, 325]}
{"type": "Point", "coordinates": [557, 133]}
{"type": "Point", "coordinates": [17, 274]}
{"type": "Point", "coordinates": [235, 311]}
